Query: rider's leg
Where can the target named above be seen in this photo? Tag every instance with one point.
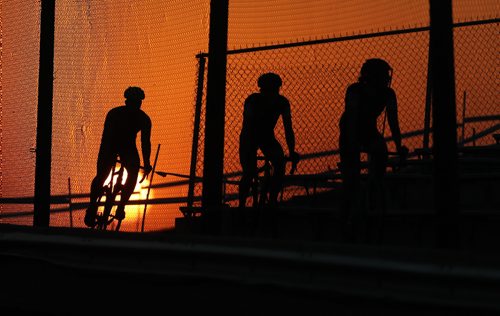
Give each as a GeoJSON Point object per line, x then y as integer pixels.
{"type": "Point", "coordinates": [377, 167]}
{"type": "Point", "coordinates": [105, 163]}
{"type": "Point", "coordinates": [350, 171]}
{"type": "Point", "coordinates": [274, 153]}
{"type": "Point", "coordinates": [377, 170]}
{"type": "Point", "coordinates": [351, 214]}
{"type": "Point", "coordinates": [248, 162]}
{"type": "Point", "coordinates": [132, 168]}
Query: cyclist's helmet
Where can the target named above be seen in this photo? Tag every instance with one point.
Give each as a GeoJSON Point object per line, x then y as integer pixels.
{"type": "Point", "coordinates": [376, 70]}
{"type": "Point", "coordinates": [134, 93]}
{"type": "Point", "coordinates": [269, 80]}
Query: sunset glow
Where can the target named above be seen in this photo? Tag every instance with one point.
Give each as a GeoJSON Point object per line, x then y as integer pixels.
{"type": "Point", "coordinates": [102, 47]}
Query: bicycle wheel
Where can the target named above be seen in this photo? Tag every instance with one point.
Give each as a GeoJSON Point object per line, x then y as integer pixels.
{"type": "Point", "coordinates": [102, 217]}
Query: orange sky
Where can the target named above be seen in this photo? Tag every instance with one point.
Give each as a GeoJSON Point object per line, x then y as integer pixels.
{"type": "Point", "coordinates": [104, 46]}
{"type": "Point", "coordinates": [266, 21]}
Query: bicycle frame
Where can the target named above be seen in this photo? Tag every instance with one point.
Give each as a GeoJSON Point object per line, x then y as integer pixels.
{"type": "Point", "coordinates": [110, 191]}
{"type": "Point", "coordinates": [260, 184]}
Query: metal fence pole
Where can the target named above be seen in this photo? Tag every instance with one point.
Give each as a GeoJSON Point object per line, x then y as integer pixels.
{"type": "Point", "coordinates": [444, 124]}
{"type": "Point", "coordinates": [464, 104]}
{"type": "Point", "coordinates": [41, 203]}
{"type": "Point", "coordinates": [215, 108]}
{"type": "Point", "coordinates": [428, 104]}
{"type": "Point", "coordinates": [196, 130]}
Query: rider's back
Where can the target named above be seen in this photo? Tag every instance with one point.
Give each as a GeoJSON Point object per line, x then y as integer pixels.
{"type": "Point", "coordinates": [261, 113]}
{"type": "Point", "coordinates": [121, 127]}
{"type": "Point", "coordinates": [371, 104]}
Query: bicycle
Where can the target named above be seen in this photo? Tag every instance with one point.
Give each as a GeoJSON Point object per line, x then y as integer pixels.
{"type": "Point", "coordinates": [112, 189]}
{"type": "Point", "coordinates": [260, 185]}
{"type": "Point", "coordinates": [109, 191]}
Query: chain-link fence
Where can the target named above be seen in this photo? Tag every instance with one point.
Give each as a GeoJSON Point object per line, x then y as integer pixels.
{"type": "Point", "coordinates": [316, 73]}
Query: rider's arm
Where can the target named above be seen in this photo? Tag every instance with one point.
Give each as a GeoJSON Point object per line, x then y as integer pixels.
{"type": "Point", "coordinates": [146, 144]}
{"type": "Point", "coordinates": [289, 133]}
{"type": "Point", "coordinates": [349, 124]}
{"type": "Point", "coordinates": [107, 132]}
{"type": "Point", "coordinates": [290, 138]}
{"type": "Point", "coordinates": [392, 116]}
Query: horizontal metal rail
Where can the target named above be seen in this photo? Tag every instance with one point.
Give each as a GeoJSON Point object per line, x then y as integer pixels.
{"type": "Point", "coordinates": [346, 38]}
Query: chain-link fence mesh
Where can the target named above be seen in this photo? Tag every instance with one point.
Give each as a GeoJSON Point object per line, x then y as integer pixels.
{"type": "Point", "coordinates": [101, 48]}
{"type": "Point", "coordinates": [20, 42]}
{"type": "Point", "coordinates": [316, 74]}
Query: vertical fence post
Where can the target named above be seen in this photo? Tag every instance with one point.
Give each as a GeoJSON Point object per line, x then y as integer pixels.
{"type": "Point", "coordinates": [444, 124]}
{"type": "Point", "coordinates": [213, 158]}
{"type": "Point", "coordinates": [196, 130]}
{"type": "Point", "coordinates": [464, 104]}
{"type": "Point", "coordinates": [149, 190]}
{"type": "Point", "coordinates": [70, 205]}
{"type": "Point", "coordinates": [41, 204]}
{"type": "Point", "coordinates": [428, 104]}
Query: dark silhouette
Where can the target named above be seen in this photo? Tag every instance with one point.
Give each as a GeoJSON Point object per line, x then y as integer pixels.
{"type": "Point", "coordinates": [261, 113]}
{"type": "Point", "coordinates": [121, 127]}
{"type": "Point", "coordinates": [365, 101]}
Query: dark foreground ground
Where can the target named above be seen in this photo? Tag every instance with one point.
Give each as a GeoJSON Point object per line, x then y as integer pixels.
{"type": "Point", "coordinates": [59, 271]}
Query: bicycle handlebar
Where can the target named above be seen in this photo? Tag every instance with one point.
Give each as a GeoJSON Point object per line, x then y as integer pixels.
{"type": "Point", "coordinates": [160, 173]}
{"type": "Point", "coordinates": [163, 174]}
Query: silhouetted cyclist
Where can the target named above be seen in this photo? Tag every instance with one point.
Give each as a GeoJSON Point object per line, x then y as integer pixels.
{"type": "Point", "coordinates": [121, 127]}
{"type": "Point", "coordinates": [365, 101]}
{"type": "Point", "coordinates": [261, 113]}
